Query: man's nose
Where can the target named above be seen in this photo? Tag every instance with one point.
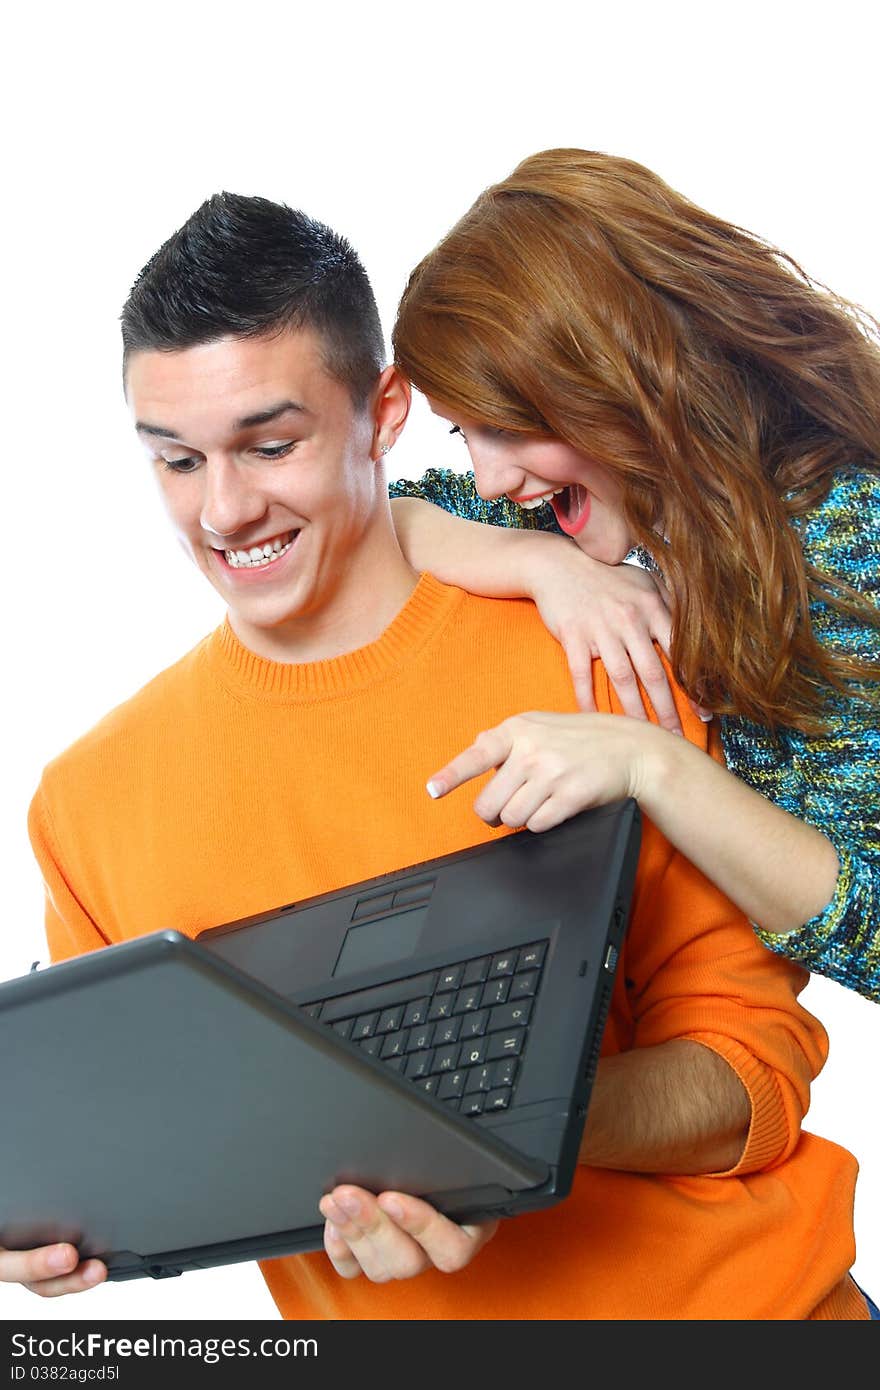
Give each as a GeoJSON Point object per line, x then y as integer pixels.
{"type": "Point", "coordinates": [232, 501]}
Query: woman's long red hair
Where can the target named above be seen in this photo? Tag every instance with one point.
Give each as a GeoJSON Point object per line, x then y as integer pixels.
{"type": "Point", "coordinates": [583, 298]}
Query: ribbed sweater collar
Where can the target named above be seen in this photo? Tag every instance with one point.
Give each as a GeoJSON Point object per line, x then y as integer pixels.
{"type": "Point", "coordinates": [426, 611]}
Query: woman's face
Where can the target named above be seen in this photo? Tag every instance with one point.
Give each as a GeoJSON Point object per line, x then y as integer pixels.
{"type": "Point", "coordinates": [533, 469]}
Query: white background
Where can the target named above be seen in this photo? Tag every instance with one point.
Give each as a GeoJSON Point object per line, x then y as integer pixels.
{"type": "Point", "coordinates": [384, 120]}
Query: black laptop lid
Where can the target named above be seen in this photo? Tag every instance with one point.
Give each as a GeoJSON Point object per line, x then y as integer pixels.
{"type": "Point", "coordinates": [205, 1110]}
{"type": "Point", "coordinates": [157, 1101]}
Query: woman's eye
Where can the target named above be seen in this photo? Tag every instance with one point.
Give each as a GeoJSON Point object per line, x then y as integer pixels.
{"type": "Point", "coordinates": [492, 431]}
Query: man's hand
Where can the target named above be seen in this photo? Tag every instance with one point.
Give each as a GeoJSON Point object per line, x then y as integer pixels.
{"type": "Point", "coordinates": [51, 1270]}
{"type": "Point", "coordinates": [393, 1236]}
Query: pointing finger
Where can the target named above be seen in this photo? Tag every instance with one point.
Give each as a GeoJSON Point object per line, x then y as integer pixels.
{"type": "Point", "coordinates": [487, 751]}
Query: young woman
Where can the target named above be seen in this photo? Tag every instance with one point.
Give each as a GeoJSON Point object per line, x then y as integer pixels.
{"type": "Point", "coordinates": [668, 383]}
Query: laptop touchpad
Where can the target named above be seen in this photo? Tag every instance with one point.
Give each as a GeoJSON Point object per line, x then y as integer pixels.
{"type": "Point", "coordinates": [374, 943]}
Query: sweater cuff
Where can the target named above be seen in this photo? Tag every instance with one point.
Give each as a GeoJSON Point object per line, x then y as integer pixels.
{"type": "Point", "coordinates": [804, 942]}
{"type": "Point", "coordinates": [768, 1135]}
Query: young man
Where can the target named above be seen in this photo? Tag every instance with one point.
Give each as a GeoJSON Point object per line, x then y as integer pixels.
{"type": "Point", "coordinates": [253, 367]}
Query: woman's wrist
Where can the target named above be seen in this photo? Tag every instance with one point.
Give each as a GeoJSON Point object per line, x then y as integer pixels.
{"type": "Point", "coordinates": [660, 764]}
{"type": "Point", "coordinates": [546, 559]}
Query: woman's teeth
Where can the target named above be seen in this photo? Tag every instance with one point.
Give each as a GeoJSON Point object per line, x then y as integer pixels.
{"type": "Point", "coordinates": [529, 503]}
{"type": "Point", "coordinates": [260, 555]}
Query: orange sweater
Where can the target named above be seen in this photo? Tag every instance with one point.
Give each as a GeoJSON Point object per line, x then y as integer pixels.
{"type": "Point", "coordinates": [230, 784]}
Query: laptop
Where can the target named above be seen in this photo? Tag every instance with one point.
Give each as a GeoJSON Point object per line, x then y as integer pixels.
{"type": "Point", "coordinates": [179, 1104]}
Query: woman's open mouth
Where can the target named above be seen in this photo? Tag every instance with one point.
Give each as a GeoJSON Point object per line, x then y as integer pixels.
{"type": "Point", "coordinates": [571, 508]}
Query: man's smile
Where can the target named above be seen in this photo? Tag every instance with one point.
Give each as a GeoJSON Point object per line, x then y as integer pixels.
{"type": "Point", "coordinates": [262, 554]}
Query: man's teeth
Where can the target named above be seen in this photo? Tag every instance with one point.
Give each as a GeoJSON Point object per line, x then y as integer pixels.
{"type": "Point", "coordinates": [260, 555]}
{"type": "Point", "coordinates": [530, 503]}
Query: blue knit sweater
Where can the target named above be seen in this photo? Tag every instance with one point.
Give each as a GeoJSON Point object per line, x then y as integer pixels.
{"type": "Point", "coordinates": [831, 781]}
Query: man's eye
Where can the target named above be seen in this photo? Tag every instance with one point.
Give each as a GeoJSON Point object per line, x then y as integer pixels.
{"type": "Point", "coordinates": [274, 451]}
{"type": "Point", "coordinates": [183, 465]}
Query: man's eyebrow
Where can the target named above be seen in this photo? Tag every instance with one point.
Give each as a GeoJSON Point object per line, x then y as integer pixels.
{"type": "Point", "coordinates": [143, 428]}
{"type": "Point", "coordinates": [247, 422]}
{"type": "Point", "coordinates": [263, 417]}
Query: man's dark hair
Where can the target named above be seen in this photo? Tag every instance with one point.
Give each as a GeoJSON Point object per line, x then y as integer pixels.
{"type": "Point", "coordinates": [247, 267]}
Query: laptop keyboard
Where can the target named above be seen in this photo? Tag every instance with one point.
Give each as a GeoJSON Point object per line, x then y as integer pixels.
{"type": "Point", "coordinates": [459, 1032]}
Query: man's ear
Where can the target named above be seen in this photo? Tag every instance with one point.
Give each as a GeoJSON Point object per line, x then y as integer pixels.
{"type": "Point", "coordinates": [391, 402]}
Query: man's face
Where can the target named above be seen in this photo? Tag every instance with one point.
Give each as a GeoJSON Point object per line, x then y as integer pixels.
{"type": "Point", "coordinates": [265, 467]}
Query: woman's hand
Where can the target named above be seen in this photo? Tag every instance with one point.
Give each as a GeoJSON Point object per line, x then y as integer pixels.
{"type": "Point", "coordinates": [393, 1236]}
{"type": "Point", "coordinates": [550, 766]}
{"type": "Point", "coordinates": [615, 613]}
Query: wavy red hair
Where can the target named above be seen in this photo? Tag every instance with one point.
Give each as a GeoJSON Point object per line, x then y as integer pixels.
{"type": "Point", "coordinates": [583, 298]}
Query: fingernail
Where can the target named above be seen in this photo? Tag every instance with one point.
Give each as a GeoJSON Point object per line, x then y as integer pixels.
{"type": "Point", "coordinates": [706, 718]}
{"type": "Point", "coordinates": [433, 789]}
{"type": "Point", "coordinates": [91, 1274]}
{"type": "Point", "coordinates": [59, 1258]}
{"type": "Point", "coordinates": [331, 1211]}
{"type": "Point", "coordinates": [350, 1205]}
{"type": "Point", "coordinates": [393, 1208]}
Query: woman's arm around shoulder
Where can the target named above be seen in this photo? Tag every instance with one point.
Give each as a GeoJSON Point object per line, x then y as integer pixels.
{"type": "Point", "coordinates": [500, 550]}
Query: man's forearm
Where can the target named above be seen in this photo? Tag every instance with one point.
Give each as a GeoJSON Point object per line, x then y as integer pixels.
{"type": "Point", "coordinates": [674, 1108]}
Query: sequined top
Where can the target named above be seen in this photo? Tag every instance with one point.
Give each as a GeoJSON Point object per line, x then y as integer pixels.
{"type": "Point", "coordinates": [832, 780]}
